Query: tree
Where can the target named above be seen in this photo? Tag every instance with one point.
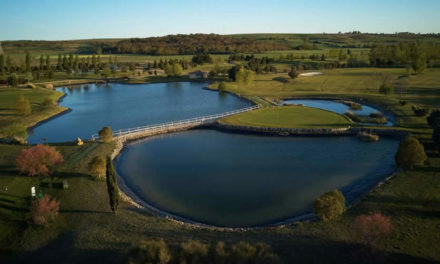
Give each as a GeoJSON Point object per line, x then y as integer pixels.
{"type": "Point", "coordinates": [2, 63]}
{"type": "Point", "coordinates": [372, 228]}
{"type": "Point", "coordinates": [222, 86]}
{"type": "Point", "coordinates": [173, 70]}
{"type": "Point", "coordinates": [244, 76]}
{"type": "Point", "coordinates": [44, 210]}
{"type": "Point", "coordinates": [97, 167]}
{"type": "Point", "coordinates": [246, 253]}
{"type": "Point", "coordinates": [38, 160]}
{"type": "Point", "coordinates": [410, 153]}
{"type": "Point", "coordinates": [106, 72]}
{"type": "Point", "coordinates": [419, 64]}
{"type": "Point", "coordinates": [13, 79]}
{"type": "Point", "coordinates": [112, 186]}
{"type": "Point", "coordinates": [29, 77]}
{"type": "Point", "coordinates": [105, 134]}
{"type": "Point", "coordinates": [386, 88]}
{"type": "Point", "coordinates": [330, 205]}
{"type": "Point", "coordinates": [41, 63]}
{"type": "Point", "coordinates": [293, 73]}
{"type": "Point", "coordinates": [23, 106]}
{"type": "Point", "coordinates": [28, 61]}
{"type": "Point", "coordinates": [150, 252]}
{"type": "Point", "coordinates": [434, 121]}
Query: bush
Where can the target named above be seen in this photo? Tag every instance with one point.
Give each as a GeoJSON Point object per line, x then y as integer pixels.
{"type": "Point", "coordinates": [293, 73]}
{"type": "Point", "coordinates": [105, 134]}
{"type": "Point", "coordinates": [38, 159]}
{"type": "Point", "coordinates": [13, 80]}
{"type": "Point", "coordinates": [418, 111]}
{"type": "Point", "coordinates": [221, 86]}
{"type": "Point", "coordinates": [376, 115]}
{"type": "Point", "coordinates": [193, 251]}
{"type": "Point", "coordinates": [49, 103]}
{"type": "Point", "coordinates": [97, 167]}
{"type": "Point", "coordinates": [403, 102]}
{"type": "Point", "coordinates": [386, 88]}
{"type": "Point", "coordinates": [410, 153]}
{"type": "Point", "coordinates": [23, 106]}
{"type": "Point", "coordinates": [246, 253]}
{"type": "Point", "coordinates": [329, 206]}
{"type": "Point", "coordinates": [150, 252]}
{"type": "Point", "coordinates": [44, 211]}
{"type": "Point", "coordinates": [372, 228]}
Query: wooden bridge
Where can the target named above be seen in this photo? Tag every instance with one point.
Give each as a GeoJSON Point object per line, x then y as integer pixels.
{"type": "Point", "coordinates": [123, 135]}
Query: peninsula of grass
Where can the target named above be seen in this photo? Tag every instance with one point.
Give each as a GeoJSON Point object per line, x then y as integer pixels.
{"type": "Point", "coordinates": [288, 117]}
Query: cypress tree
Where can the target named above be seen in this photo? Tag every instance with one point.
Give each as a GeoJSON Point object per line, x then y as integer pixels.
{"type": "Point", "coordinates": [112, 185]}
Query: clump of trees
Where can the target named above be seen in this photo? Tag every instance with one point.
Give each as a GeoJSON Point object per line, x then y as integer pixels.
{"type": "Point", "coordinates": [97, 167]}
{"type": "Point", "coordinates": [173, 70]}
{"type": "Point", "coordinates": [105, 134]}
{"type": "Point", "coordinates": [112, 185]}
{"type": "Point", "coordinates": [434, 121]}
{"type": "Point", "coordinates": [38, 160]}
{"type": "Point", "coordinates": [419, 111]}
{"type": "Point", "coordinates": [330, 205]}
{"type": "Point", "coordinates": [23, 106]}
{"type": "Point", "coordinates": [200, 59]}
{"type": "Point", "coordinates": [410, 153]}
{"type": "Point", "coordinates": [194, 251]}
{"type": "Point", "coordinates": [44, 211]}
{"type": "Point", "coordinates": [241, 75]}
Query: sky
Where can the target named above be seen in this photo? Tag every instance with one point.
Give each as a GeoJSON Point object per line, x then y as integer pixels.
{"type": "Point", "coordinates": [83, 19]}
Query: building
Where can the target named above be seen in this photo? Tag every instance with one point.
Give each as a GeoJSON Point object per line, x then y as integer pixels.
{"type": "Point", "coordinates": [198, 75]}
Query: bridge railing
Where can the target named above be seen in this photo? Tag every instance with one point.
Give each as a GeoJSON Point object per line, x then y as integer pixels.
{"type": "Point", "coordinates": [179, 123]}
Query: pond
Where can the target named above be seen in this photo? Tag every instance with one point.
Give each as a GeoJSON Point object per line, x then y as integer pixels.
{"type": "Point", "coordinates": [124, 106]}
{"type": "Point", "coordinates": [339, 108]}
{"type": "Point", "coordinates": [238, 180]}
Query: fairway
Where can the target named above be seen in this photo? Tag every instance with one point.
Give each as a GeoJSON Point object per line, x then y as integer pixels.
{"type": "Point", "coordinates": [288, 117]}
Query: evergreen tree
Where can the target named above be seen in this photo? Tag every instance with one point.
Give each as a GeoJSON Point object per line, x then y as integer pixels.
{"type": "Point", "coordinates": [41, 62]}
{"type": "Point", "coordinates": [47, 62]}
{"type": "Point", "coordinates": [2, 63]}
{"type": "Point", "coordinates": [28, 61]}
{"type": "Point", "coordinates": [112, 185]}
{"type": "Point", "coordinates": [59, 63]}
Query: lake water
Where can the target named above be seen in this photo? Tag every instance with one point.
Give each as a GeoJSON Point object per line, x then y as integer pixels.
{"type": "Point", "coordinates": [337, 107]}
{"type": "Point", "coordinates": [214, 177]}
{"type": "Point", "coordinates": [236, 180]}
{"type": "Point", "coordinates": [124, 106]}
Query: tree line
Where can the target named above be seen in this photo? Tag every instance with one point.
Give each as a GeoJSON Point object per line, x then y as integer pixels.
{"type": "Point", "coordinates": [190, 45]}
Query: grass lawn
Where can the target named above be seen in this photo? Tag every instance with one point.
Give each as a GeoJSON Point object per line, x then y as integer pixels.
{"type": "Point", "coordinates": [37, 96]}
{"type": "Point", "coordinates": [288, 117]}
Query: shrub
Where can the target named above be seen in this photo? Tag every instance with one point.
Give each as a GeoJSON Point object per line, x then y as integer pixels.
{"type": "Point", "coordinates": [403, 102]}
{"type": "Point", "coordinates": [45, 210]}
{"type": "Point", "coordinates": [372, 228]}
{"type": "Point", "coordinates": [49, 103]}
{"type": "Point", "coordinates": [150, 252]}
{"type": "Point", "coordinates": [23, 106]}
{"type": "Point", "coordinates": [38, 159]}
{"type": "Point", "coordinates": [13, 79]}
{"type": "Point", "coordinates": [418, 111]}
{"type": "Point", "coordinates": [410, 153]}
{"type": "Point", "coordinates": [434, 119]}
{"type": "Point", "coordinates": [386, 88]}
{"type": "Point", "coordinates": [193, 251]}
{"type": "Point", "coordinates": [259, 253]}
{"type": "Point", "coordinates": [330, 205]}
{"type": "Point", "coordinates": [293, 73]}
{"type": "Point", "coordinates": [222, 86]}
{"type": "Point", "coordinates": [105, 134]}
{"type": "Point", "coordinates": [376, 115]}
{"type": "Point", "coordinates": [97, 167]}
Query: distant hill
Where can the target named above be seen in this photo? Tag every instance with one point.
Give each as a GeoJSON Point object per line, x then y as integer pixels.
{"type": "Point", "coordinates": [213, 43]}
